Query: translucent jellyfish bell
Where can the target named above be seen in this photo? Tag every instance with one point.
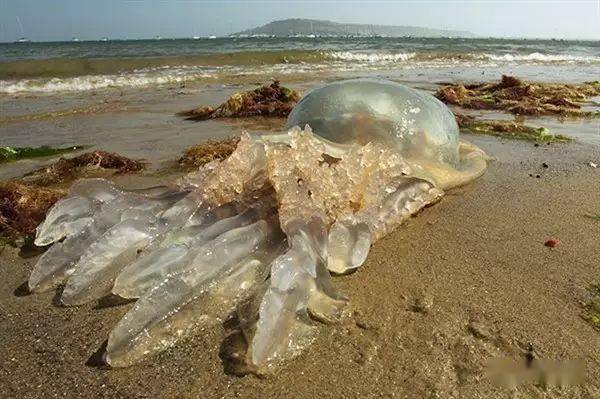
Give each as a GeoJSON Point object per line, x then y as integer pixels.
{"type": "Point", "coordinates": [419, 126]}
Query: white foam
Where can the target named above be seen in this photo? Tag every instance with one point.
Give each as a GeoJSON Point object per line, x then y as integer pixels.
{"type": "Point", "coordinates": [95, 82]}
{"type": "Point", "coordinates": [426, 58]}
{"type": "Point", "coordinates": [337, 61]}
{"type": "Point", "coordinates": [539, 57]}
{"type": "Point", "coordinates": [371, 57]}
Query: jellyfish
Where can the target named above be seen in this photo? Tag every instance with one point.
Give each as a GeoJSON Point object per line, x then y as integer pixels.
{"type": "Point", "coordinates": [258, 235]}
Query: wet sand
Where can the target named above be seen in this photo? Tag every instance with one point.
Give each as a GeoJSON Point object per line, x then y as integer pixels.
{"type": "Point", "coordinates": [478, 257]}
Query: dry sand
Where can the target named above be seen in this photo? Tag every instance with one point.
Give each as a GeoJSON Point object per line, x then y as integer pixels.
{"type": "Point", "coordinates": [477, 258]}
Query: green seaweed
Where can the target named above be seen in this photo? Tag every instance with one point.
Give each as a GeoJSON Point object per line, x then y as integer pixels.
{"type": "Point", "coordinates": [6, 241]}
{"type": "Point", "coordinates": [8, 154]}
{"type": "Point", "coordinates": [593, 217]}
{"type": "Point", "coordinates": [594, 289]}
{"type": "Point", "coordinates": [518, 132]}
{"type": "Point", "coordinates": [288, 94]}
{"type": "Point", "coordinates": [14, 240]}
{"type": "Point", "coordinates": [591, 309]}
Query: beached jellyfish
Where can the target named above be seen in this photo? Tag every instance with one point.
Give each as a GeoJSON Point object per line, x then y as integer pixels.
{"type": "Point", "coordinates": [258, 234]}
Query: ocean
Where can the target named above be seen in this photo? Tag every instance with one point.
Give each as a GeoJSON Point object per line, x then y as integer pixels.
{"type": "Point", "coordinates": [92, 65]}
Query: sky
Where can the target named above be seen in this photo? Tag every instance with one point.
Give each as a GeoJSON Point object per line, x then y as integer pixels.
{"type": "Point", "coordinates": [51, 20]}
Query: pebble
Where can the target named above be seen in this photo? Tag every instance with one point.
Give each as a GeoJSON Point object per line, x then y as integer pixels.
{"type": "Point", "coordinates": [366, 354]}
{"type": "Point", "coordinates": [479, 330]}
{"type": "Point", "coordinates": [421, 304]}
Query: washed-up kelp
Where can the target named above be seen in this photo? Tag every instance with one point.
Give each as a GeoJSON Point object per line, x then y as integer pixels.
{"type": "Point", "coordinates": [208, 151]}
{"type": "Point", "coordinates": [23, 207]}
{"type": "Point", "coordinates": [24, 202]}
{"type": "Point", "coordinates": [70, 168]}
{"type": "Point", "coordinates": [257, 235]}
{"type": "Point", "coordinates": [15, 153]}
{"type": "Point", "coordinates": [507, 129]}
{"type": "Point", "coordinates": [518, 97]}
{"type": "Point", "coordinates": [591, 306]}
{"type": "Point", "coordinates": [272, 100]}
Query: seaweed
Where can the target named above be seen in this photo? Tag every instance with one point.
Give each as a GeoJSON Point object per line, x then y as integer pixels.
{"type": "Point", "coordinates": [593, 217]}
{"type": "Point", "coordinates": [8, 154]}
{"type": "Point", "coordinates": [273, 100]}
{"type": "Point", "coordinates": [208, 151]}
{"type": "Point", "coordinates": [70, 168]}
{"type": "Point", "coordinates": [507, 129]}
{"type": "Point", "coordinates": [23, 207]}
{"type": "Point", "coordinates": [24, 202]}
{"type": "Point", "coordinates": [591, 308]}
{"type": "Point", "coordinates": [513, 95]}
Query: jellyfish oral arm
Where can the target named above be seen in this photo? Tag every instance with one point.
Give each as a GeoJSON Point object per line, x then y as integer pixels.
{"type": "Point", "coordinates": [266, 226]}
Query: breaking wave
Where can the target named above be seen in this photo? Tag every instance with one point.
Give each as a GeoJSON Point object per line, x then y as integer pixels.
{"type": "Point", "coordinates": [95, 82]}
{"type": "Point", "coordinates": [543, 58]}
{"type": "Point", "coordinates": [386, 57]}
{"type": "Point", "coordinates": [370, 56]}
{"type": "Point", "coordinates": [79, 74]}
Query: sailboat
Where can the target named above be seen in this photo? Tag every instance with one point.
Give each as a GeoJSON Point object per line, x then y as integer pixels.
{"type": "Point", "coordinates": [23, 39]}
{"type": "Point", "coordinates": [312, 31]}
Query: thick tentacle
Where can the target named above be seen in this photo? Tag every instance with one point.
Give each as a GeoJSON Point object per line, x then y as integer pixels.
{"type": "Point", "coordinates": [146, 272]}
{"type": "Point", "coordinates": [67, 217]}
{"type": "Point", "coordinates": [225, 272]}
{"type": "Point", "coordinates": [95, 272]}
{"type": "Point", "coordinates": [58, 262]}
{"type": "Point", "coordinates": [72, 214]}
{"type": "Point", "coordinates": [299, 287]}
{"type": "Point", "coordinates": [350, 237]}
{"type": "Point", "coordinates": [349, 245]}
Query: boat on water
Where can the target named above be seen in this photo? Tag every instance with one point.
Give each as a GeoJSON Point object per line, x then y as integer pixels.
{"type": "Point", "coordinates": [75, 39]}
{"type": "Point", "coordinates": [104, 39]}
{"type": "Point", "coordinates": [195, 37]}
{"type": "Point", "coordinates": [212, 37]}
{"type": "Point", "coordinates": [23, 39]}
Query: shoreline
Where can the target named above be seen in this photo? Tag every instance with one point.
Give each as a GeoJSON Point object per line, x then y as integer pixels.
{"type": "Point", "coordinates": [142, 124]}
{"type": "Point", "coordinates": [479, 255]}
{"type": "Point", "coordinates": [466, 252]}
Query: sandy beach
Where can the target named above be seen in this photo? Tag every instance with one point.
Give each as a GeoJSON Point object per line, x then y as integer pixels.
{"type": "Point", "coordinates": [477, 261]}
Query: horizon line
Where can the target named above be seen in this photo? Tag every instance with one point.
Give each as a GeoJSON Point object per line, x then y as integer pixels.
{"type": "Point", "coordinates": [237, 36]}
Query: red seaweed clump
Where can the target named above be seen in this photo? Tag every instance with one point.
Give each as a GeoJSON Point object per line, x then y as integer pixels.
{"type": "Point", "coordinates": [513, 95]}
{"type": "Point", "coordinates": [273, 100]}
{"type": "Point", "coordinates": [208, 151]}
{"type": "Point", "coordinates": [23, 207]}
{"type": "Point", "coordinates": [24, 202]}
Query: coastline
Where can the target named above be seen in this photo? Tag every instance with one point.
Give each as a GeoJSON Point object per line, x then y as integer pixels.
{"type": "Point", "coordinates": [479, 254]}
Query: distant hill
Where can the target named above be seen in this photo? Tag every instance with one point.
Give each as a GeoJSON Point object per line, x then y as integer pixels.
{"type": "Point", "coordinates": [304, 27]}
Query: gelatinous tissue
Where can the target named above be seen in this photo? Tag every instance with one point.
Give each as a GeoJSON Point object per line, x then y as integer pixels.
{"type": "Point", "coordinates": [266, 226]}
